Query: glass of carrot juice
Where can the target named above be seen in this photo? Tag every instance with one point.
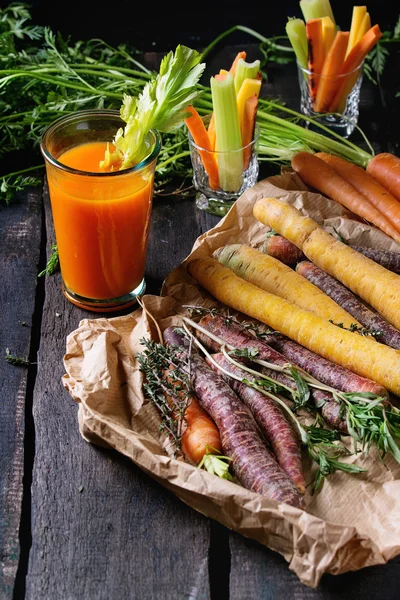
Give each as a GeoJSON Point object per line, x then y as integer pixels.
{"type": "Point", "coordinates": [101, 218]}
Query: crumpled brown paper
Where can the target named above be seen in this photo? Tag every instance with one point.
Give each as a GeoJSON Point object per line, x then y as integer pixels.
{"type": "Point", "coordinates": [353, 522]}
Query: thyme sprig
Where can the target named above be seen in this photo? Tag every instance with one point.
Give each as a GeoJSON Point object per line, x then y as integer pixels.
{"type": "Point", "coordinates": [364, 331]}
{"type": "Point", "coordinates": [172, 396]}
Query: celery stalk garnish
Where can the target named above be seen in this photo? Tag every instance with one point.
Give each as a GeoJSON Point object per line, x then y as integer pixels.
{"type": "Point", "coordinates": [296, 32]}
{"type": "Point", "coordinates": [160, 105]}
{"type": "Point", "coordinates": [228, 137]}
{"type": "Point", "coordinates": [245, 70]}
{"type": "Point", "coordinates": [314, 9]}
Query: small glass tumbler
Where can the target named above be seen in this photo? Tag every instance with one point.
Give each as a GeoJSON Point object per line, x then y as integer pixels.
{"type": "Point", "coordinates": [218, 200]}
{"type": "Point", "coordinates": [101, 218]}
{"type": "Point", "coordinates": [331, 101]}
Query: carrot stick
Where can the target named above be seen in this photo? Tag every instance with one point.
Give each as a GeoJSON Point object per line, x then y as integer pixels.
{"type": "Point", "coordinates": [328, 32]}
{"type": "Point", "coordinates": [212, 134]}
{"type": "Point", "coordinates": [370, 281]}
{"type": "Point", "coordinates": [278, 349]}
{"type": "Point", "coordinates": [329, 79]}
{"type": "Point", "coordinates": [351, 350]}
{"type": "Point", "coordinates": [200, 136]}
{"type": "Point", "coordinates": [385, 332]}
{"type": "Point", "coordinates": [356, 21]}
{"type": "Point", "coordinates": [354, 60]}
{"type": "Point", "coordinates": [385, 168]}
{"type": "Point", "coordinates": [249, 122]}
{"type": "Point", "coordinates": [273, 276]}
{"type": "Point", "coordinates": [316, 54]}
{"type": "Point", "coordinates": [322, 177]}
{"type": "Point", "coordinates": [242, 54]}
{"type": "Point", "coordinates": [273, 423]}
{"type": "Point", "coordinates": [252, 462]}
{"type": "Point", "coordinates": [387, 204]}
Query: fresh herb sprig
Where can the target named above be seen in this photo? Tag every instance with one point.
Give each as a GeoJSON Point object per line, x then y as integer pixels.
{"type": "Point", "coordinates": [53, 263]}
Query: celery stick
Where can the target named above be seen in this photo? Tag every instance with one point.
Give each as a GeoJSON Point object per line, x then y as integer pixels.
{"type": "Point", "coordinates": [314, 9]}
{"type": "Point", "coordinates": [228, 137]}
{"type": "Point", "coordinates": [245, 70]}
{"type": "Point", "coordinates": [296, 32]}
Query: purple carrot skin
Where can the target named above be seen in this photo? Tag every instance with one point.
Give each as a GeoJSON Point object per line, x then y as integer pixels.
{"type": "Point", "coordinates": [252, 462]}
{"type": "Point", "coordinates": [278, 431]}
{"type": "Point", "coordinates": [330, 408]}
{"type": "Point", "coordinates": [372, 321]}
{"type": "Point", "coordinates": [282, 249]}
{"type": "Point", "coordinates": [386, 258]}
{"type": "Point", "coordinates": [322, 369]}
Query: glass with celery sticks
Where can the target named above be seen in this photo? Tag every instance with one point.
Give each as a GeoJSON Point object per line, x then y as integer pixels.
{"type": "Point", "coordinates": [232, 181]}
{"type": "Point", "coordinates": [338, 109]}
{"type": "Point", "coordinates": [101, 218]}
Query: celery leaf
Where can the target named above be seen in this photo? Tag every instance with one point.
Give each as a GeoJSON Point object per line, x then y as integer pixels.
{"type": "Point", "coordinates": [161, 105]}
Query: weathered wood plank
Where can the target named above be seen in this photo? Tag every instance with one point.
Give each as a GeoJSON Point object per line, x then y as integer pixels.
{"type": "Point", "coordinates": [20, 233]}
{"type": "Point", "coordinates": [101, 528]}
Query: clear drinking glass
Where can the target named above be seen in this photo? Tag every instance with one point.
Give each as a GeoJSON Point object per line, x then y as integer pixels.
{"type": "Point", "coordinates": [339, 110]}
{"type": "Point", "coordinates": [101, 219]}
{"type": "Point", "coordinates": [219, 201]}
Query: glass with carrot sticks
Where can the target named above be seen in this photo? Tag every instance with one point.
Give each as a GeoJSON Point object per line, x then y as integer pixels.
{"type": "Point", "coordinates": [101, 215]}
{"type": "Point", "coordinates": [331, 100]}
{"type": "Point", "coordinates": [221, 176]}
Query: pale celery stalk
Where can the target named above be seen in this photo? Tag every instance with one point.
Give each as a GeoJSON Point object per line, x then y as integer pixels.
{"type": "Point", "coordinates": [296, 32]}
{"type": "Point", "coordinates": [228, 136]}
{"type": "Point", "coordinates": [314, 9]}
{"type": "Point", "coordinates": [245, 70]}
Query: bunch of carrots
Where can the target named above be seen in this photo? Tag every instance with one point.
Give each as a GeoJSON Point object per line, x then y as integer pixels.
{"type": "Point", "coordinates": [331, 58]}
{"type": "Point", "coordinates": [372, 193]}
{"type": "Point", "coordinates": [235, 93]}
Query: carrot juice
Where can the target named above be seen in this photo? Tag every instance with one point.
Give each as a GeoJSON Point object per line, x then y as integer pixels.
{"type": "Point", "coordinates": [101, 221]}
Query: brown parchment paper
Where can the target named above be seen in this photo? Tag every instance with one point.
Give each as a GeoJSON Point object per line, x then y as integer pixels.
{"type": "Point", "coordinates": [353, 522]}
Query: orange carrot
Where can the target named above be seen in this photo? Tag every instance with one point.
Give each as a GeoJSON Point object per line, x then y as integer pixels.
{"type": "Point", "coordinates": [385, 202]}
{"type": "Point", "coordinates": [329, 79]}
{"type": "Point", "coordinates": [354, 59]}
{"type": "Point", "coordinates": [200, 433]}
{"type": "Point", "coordinates": [319, 175]}
{"type": "Point", "coordinates": [212, 134]}
{"type": "Point", "coordinates": [249, 122]}
{"type": "Point", "coordinates": [316, 53]}
{"type": "Point", "coordinates": [385, 168]}
{"type": "Point", "coordinates": [199, 134]}
{"type": "Point", "coordinates": [242, 54]}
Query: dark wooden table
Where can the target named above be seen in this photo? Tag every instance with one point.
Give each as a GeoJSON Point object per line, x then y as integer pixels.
{"type": "Point", "coordinates": [78, 522]}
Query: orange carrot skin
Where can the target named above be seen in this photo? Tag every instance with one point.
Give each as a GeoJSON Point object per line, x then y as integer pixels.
{"type": "Point", "coordinates": [282, 249]}
{"type": "Point", "coordinates": [199, 133]}
{"type": "Point", "coordinates": [385, 168]}
{"type": "Point", "coordinates": [367, 185]}
{"type": "Point", "coordinates": [240, 55]}
{"type": "Point", "coordinates": [200, 434]}
{"type": "Point", "coordinates": [316, 54]}
{"type": "Point", "coordinates": [273, 423]}
{"type": "Point", "coordinates": [252, 462]}
{"type": "Point", "coordinates": [319, 175]}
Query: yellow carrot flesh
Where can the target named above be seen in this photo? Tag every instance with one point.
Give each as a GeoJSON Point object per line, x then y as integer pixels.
{"type": "Point", "coordinates": [356, 20]}
{"type": "Point", "coordinates": [328, 33]}
{"type": "Point", "coordinates": [249, 87]}
{"type": "Point", "coordinates": [377, 286]}
{"type": "Point", "coordinates": [365, 25]}
{"type": "Point", "coordinates": [273, 276]}
{"type": "Point", "coordinates": [350, 350]}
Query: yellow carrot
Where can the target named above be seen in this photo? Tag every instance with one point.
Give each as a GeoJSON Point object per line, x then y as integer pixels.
{"type": "Point", "coordinates": [350, 350]}
{"type": "Point", "coordinates": [328, 33]}
{"type": "Point", "coordinates": [248, 88]}
{"type": "Point", "coordinates": [377, 286]}
{"type": "Point", "coordinates": [356, 20]}
{"type": "Point", "coordinates": [364, 26]}
{"type": "Point", "coordinates": [273, 276]}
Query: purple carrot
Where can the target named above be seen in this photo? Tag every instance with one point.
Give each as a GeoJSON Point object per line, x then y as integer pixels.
{"type": "Point", "coordinates": [322, 399]}
{"type": "Point", "coordinates": [374, 322]}
{"type": "Point", "coordinates": [284, 441]}
{"type": "Point", "coordinates": [322, 369]}
{"type": "Point", "coordinates": [253, 464]}
{"type": "Point", "coordinates": [386, 258]}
